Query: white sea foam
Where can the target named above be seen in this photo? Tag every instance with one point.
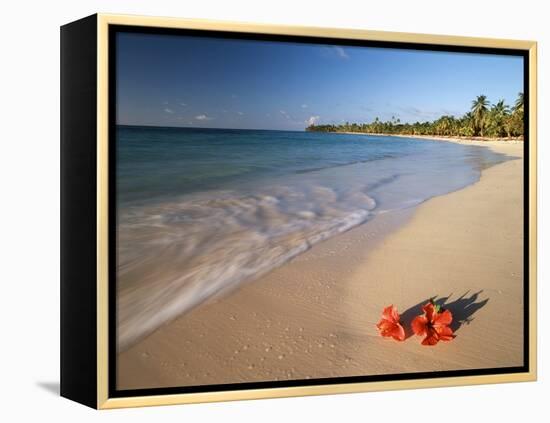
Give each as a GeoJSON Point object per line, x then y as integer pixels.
{"type": "Point", "coordinates": [173, 256]}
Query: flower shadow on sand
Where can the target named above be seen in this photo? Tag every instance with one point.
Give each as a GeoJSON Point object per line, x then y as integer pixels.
{"type": "Point", "coordinates": [463, 310]}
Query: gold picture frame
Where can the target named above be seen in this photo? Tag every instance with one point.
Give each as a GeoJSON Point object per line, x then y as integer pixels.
{"type": "Point", "coordinates": [98, 28]}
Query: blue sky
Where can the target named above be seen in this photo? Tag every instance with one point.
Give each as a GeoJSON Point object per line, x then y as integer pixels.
{"type": "Point", "coordinates": [168, 80]}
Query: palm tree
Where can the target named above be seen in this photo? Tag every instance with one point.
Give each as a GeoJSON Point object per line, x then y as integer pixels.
{"type": "Point", "coordinates": [480, 106]}
{"type": "Point", "coordinates": [496, 118]}
{"type": "Point", "coordinates": [501, 108]}
{"type": "Point", "coordinates": [518, 106]}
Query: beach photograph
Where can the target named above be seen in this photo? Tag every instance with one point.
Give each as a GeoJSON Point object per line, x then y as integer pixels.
{"type": "Point", "coordinates": [296, 211]}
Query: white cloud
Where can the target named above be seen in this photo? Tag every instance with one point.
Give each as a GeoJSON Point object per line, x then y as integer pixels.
{"type": "Point", "coordinates": [304, 106]}
{"type": "Point", "coordinates": [203, 117]}
{"type": "Point", "coordinates": [183, 104]}
{"type": "Point", "coordinates": [167, 110]}
{"type": "Point", "coordinates": [312, 120]}
{"type": "Point", "coordinates": [334, 51]}
{"type": "Point", "coordinates": [341, 53]}
{"type": "Point", "coordinates": [240, 113]}
{"type": "Point", "coordinates": [284, 113]}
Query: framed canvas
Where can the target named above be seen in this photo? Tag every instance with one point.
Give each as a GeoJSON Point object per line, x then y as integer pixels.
{"type": "Point", "coordinates": [256, 211]}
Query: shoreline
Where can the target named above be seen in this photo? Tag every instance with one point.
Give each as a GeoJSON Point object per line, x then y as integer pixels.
{"type": "Point", "coordinates": [482, 141]}
{"type": "Point", "coordinates": [314, 316]}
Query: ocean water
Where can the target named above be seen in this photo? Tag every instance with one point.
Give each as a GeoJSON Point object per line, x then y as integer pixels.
{"type": "Point", "coordinates": [200, 211]}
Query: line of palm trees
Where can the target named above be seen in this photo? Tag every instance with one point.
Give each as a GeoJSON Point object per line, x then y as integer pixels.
{"type": "Point", "coordinates": [484, 119]}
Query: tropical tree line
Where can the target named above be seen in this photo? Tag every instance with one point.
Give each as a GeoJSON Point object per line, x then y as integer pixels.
{"type": "Point", "coordinates": [484, 119]}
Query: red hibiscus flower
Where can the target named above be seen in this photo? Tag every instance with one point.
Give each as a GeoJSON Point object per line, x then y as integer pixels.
{"type": "Point", "coordinates": [389, 326]}
{"type": "Point", "coordinates": [433, 325]}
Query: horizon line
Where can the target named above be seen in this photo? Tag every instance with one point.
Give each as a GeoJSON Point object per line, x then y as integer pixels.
{"type": "Point", "coordinates": [202, 127]}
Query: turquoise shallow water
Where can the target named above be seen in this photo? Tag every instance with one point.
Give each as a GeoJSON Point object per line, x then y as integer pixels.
{"type": "Point", "coordinates": [155, 162]}
{"type": "Point", "coordinates": [202, 210]}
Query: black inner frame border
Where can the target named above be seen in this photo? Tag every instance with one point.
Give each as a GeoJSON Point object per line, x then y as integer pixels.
{"type": "Point", "coordinates": [113, 392]}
